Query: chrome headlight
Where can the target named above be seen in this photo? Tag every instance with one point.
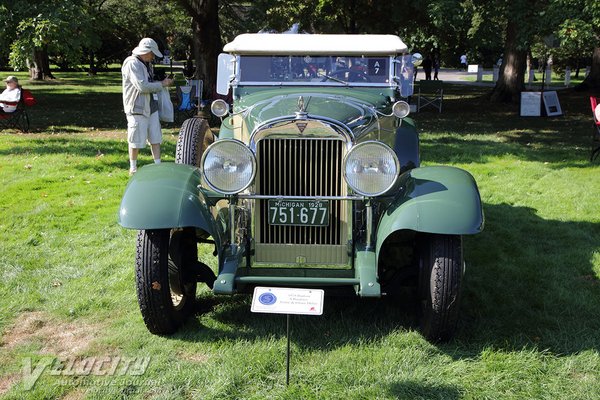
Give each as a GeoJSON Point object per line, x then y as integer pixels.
{"type": "Point", "coordinates": [228, 166]}
{"type": "Point", "coordinates": [400, 109]}
{"type": "Point", "coordinates": [219, 108]}
{"type": "Point", "coordinates": [371, 168]}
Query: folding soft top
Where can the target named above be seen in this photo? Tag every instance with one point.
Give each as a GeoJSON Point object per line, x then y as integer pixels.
{"type": "Point", "coordinates": [304, 44]}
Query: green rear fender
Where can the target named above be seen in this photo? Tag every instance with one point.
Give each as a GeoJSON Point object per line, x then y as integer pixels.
{"type": "Point", "coordinates": [443, 200]}
{"type": "Point", "coordinates": [166, 195]}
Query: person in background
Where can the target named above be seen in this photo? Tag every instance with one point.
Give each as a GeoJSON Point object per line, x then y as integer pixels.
{"type": "Point", "coordinates": [140, 101]}
{"type": "Point", "coordinates": [463, 62]}
{"type": "Point", "coordinates": [436, 67]}
{"type": "Point", "coordinates": [427, 65]}
{"type": "Point", "coordinates": [10, 97]}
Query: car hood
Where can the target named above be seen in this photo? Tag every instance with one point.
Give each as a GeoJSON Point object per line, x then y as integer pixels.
{"type": "Point", "coordinates": [357, 111]}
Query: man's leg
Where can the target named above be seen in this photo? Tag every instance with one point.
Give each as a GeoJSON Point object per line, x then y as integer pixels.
{"type": "Point", "coordinates": [136, 136]}
{"type": "Point", "coordinates": [133, 155]}
{"type": "Point", "coordinates": [155, 136]}
{"type": "Point", "coordinates": [156, 152]}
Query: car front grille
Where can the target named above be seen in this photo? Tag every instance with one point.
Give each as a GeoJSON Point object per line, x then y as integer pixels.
{"type": "Point", "coordinates": [308, 167]}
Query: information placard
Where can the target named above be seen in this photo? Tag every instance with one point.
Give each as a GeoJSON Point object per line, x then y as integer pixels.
{"type": "Point", "coordinates": [277, 300]}
{"type": "Point", "coordinates": [551, 103]}
{"type": "Point", "coordinates": [531, 103]}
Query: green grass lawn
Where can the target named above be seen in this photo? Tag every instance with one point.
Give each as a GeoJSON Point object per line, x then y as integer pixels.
{"type": "Point", "coordinates": [529, 325]}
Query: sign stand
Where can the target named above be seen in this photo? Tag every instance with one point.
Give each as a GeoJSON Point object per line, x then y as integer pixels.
{"type": "Point", "coordinates": [287, 361]}
{"type": "Point", "coordinates": [277, 300]}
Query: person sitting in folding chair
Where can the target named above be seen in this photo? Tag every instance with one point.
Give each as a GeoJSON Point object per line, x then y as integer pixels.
{"type": "Point", "coordinates": [10, 97]}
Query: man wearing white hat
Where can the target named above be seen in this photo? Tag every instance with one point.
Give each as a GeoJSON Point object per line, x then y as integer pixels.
{"type": "Point", "coordinates": [140, 101]}
{"type": "Point", "coordinates": [11, 95]}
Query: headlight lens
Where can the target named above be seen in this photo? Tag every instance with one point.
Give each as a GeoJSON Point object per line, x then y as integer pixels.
{"type": "Point", "coordinates": [371, 168]}
{"type": "Point", "coordinates": [400, 109]}
{"type": "Point", "coordinates": [228, 166]}
{"type": "Point", "coordinates": [219, 108]}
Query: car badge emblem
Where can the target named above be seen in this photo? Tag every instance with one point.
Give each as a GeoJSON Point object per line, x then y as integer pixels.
{"type": "Point", "coordinates": [301, 126]}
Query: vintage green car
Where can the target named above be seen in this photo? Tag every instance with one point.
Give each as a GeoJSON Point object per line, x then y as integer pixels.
{"type": "Point", "coordinates": [314, 181]}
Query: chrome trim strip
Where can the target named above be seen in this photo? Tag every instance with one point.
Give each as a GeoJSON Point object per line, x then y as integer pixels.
{"type": "Point", "coordinates": [392, 84]}
{"type": "Point", "coordinates": [369, 225]}
{"type": "Point", "coordinates": [267, 197]}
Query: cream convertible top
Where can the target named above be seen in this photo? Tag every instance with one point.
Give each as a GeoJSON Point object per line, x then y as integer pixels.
{"type": "Point", "coordinates": [303, 44]}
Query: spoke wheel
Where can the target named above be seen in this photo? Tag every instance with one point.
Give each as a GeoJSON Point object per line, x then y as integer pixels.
{"type": "Point", "coordinates": [166, 289]}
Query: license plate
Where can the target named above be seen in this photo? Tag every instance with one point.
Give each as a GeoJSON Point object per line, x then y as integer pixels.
{"type": "Point", "coordinates": [299, 212]}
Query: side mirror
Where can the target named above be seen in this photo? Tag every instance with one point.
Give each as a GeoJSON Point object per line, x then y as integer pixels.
{"type": "Point", "coordinates": [225, 72]}
{"type": "Point", "coordinates": [417, 59]}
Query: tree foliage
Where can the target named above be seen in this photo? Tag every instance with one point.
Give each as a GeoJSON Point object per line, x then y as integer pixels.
{"type": "Point", "coordinates": [70, 33]}
{"type": "Point", "coordinates": [59, 27]}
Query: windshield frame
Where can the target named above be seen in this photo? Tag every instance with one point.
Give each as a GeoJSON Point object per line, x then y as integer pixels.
{"type": "Point", "coordinates": [319, 78]}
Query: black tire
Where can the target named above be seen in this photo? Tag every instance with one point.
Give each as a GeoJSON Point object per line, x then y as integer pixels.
{"type": "Point", "coordinates": [440, 278]}
{"type": "Point", "coordinates": [194, 137]}
{"type": "Point", "coordinates": [166, 289]}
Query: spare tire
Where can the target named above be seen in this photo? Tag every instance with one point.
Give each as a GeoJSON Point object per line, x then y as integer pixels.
{"type": "Point", "coordinates": [194, 137]}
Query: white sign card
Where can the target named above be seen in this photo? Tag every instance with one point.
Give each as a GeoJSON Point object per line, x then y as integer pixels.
{"type": "Point", "coordinates": [531, 103]}
{"type": "Point", "coordinates": [551, 103]}
{"type": "Point", "coordinates": [473, 68]}
{"type": "Point", "coordinates": [277, 300]}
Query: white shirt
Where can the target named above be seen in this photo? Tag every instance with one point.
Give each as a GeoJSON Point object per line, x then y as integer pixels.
{"type": "Point", "coordinates": [597, 112]}
{"type": "Point", "coordinates": [463, 59]}
{"type": "Point", "coordinates": [10, 96]}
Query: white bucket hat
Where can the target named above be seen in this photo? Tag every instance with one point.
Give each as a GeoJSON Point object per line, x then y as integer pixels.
{"type": "Point", "coordinates": [146, 46]}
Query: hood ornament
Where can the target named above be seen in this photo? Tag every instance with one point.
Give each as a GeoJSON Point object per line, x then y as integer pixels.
{"type": "Point", "coordinates": [301, 113]}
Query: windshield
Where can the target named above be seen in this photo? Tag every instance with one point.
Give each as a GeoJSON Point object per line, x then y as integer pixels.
{"type": "Point", "coordinates": [317, 69]}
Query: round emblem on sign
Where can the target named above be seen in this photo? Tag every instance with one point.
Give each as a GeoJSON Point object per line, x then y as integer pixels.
{"type": "Point", "coordinates": [267, 299]}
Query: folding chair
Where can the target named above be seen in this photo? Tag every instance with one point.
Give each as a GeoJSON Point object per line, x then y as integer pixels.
{"type": "Point", "coordinates": [594, 101]}
{"type": "Point", "coordinates": [188, 98]}
{"type": "Point", "coordinates": [186, 107]}
{"type": "Point", "coordinates": [431, 94]}
{"type": "Point", "coordinates": [19, 118]}
{"type": "Point", "coordinates": [197, 86]}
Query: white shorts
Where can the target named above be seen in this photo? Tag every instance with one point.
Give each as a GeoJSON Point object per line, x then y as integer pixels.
{"type": "Point", "coordinates": [142, 129]}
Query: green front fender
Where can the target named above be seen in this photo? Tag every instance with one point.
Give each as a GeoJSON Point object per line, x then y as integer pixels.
{"type": "Point", "coordinates": [166, 195]}
{"type": "Point", "coordinates": [440, 199]}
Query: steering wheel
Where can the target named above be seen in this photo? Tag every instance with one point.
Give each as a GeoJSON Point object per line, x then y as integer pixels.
{"type": "Point", "coordinates": [353, 75]}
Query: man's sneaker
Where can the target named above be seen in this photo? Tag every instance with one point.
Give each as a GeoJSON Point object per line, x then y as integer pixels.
{"type": "Point", "coordinates": [132, 171]}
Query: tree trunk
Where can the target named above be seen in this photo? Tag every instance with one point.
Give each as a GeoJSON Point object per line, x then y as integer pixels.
{"type": "Point", "coordinates": [510, 83]}
{"type": "Point", "coordinates": [206, 41]}
{"type": "Point", "coordinates": [39, 67]}
{"type": "Point", "coordinates": [92, 59]}
{"type": "Point", "coordinates": [592, 81]}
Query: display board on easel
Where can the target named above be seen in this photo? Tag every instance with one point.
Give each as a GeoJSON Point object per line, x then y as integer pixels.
{"type": "Point", "coordinates": [531, 104]}
{"type": "Point", "coordinates": [551, 104]}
